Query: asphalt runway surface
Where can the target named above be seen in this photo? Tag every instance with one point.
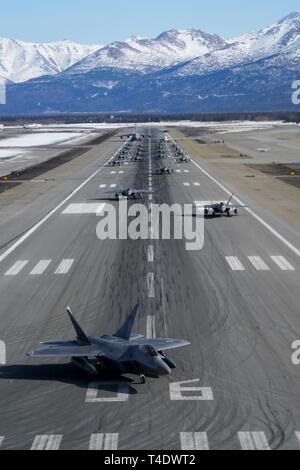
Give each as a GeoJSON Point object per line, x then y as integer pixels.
{"type": "Point", "coordinates": [236, 300]}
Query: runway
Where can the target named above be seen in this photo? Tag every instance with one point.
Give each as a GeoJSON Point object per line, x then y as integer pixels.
{"type": "Point", "coordinates": [237, 302]}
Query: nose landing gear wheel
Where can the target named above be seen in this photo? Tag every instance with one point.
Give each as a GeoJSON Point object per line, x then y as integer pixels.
{"type": "Point", "coordinates": [142, 379]}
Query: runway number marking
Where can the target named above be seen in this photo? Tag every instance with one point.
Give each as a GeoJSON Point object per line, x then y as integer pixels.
{"type": "Point", "coordinates": [119, 389]}
{"type": "Point", "coordinates": [2, 353]}
{"type": "Point", "coordinates": [181, 391]}
{"type": "Point", "coordinates": [104, 442]}
{"type": "Point", "coordinates": [253, 441]}
{"type": "Point", "coordinates": [47, 442]}
{"type": "Point", "coordinates": [194, 441]}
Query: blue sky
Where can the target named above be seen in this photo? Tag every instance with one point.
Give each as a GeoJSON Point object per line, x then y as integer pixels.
{"type": "Point", "coordinates": [95, 21]}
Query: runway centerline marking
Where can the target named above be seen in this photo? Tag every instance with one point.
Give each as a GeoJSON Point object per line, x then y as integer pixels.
{"type": "Point", "coordinates": [52, 212]}
{"type": "Point", "coordinates": [41, 267]}
{"type": "Point", "coordinates": [194, 441]}
{"type": "Point", "coordinates": [16, 268]}
{"type": "Point", "coordinates": [150, 284]}
{"type": "Point", "coordinates": [104, 442]}
{"type": "Point", "coordinates": [150, 333]}
{"type": "Point", "coordinates": [253, 441]}
{"type": "Point", "coordinates": [64, 266]}
{"type": "Point", "coordinates": [47, 442]}
{"type": "Point", "coordinates": [78, 209]}
{"type": "Point", "coordinates": [150, 254]}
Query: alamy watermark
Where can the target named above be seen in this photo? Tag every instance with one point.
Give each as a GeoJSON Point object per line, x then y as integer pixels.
{"type": "Point", "coordinates": [296, 93]}
{"type": "Point", "coordinates": [152, 222]}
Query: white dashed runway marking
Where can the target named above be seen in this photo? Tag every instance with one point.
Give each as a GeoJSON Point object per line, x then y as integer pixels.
{"type": "Point", "coordinates": [47, 442]}
{"type": "Point", "coordinates": [150, 285]}
{"type": "Point", "coordinates": [283, 264]}
{"type": "Point", "coordinates": [150, 327]}
{"type": "Point", "coordinates": [40, 268]}
{"type": "Point", "coordinates": [104, 442]}
{"type": "Point", "coordinates": [64, 266]}
{"type": "Point", "coordinates": [150, 254]}
{"type": "Point", "coordinates": [113, 186]}
{"type": "Point", "coordinates": [102, 186]}
{"type": "Point", "coordinates": [194, 441]}
{"type": "Point", "coordinates": [187, 184]}
{"type": "Point", "coordinates": [258, 263]}
{"type": "Point", "coordinates": [79, 209]}
{"type": "Point", "coordinates": [253, 441]}
{"type": "Point", "coordinates": [16, 268]}
{"type": "Point", "coordinates": [235, 263]}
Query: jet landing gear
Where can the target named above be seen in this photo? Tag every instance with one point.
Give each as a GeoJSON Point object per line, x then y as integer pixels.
{"type": "Point", "coordinates": [143, 379]}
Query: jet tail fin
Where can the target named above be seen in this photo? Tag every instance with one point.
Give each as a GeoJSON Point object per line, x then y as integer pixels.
{"type": "Point", "coordinates": [81, 336]}
{"type": "Point", "coordinates": [230, 199]}
{"type": "Point", "coordinates": [126, 330]}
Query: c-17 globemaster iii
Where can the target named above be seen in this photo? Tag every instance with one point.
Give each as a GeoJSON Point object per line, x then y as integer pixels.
{"type": "Point", "coordinates": [123, 352]}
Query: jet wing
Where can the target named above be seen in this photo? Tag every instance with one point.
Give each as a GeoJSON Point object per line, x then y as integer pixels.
{"type": "Point", "coordinates": [68, 350]}
{"type": "Point", "coordinates": [162, 344]}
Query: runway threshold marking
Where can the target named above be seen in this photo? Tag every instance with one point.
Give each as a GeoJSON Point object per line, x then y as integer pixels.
{"type": "Point", "coordinates": [250, 211]}
{"type": "Point", "coordinates": [235, 263]}
{"type": "Point", "coordinates": [41, 267]}
{"type": "Point", "coordinates": [258, 263]}
{"type": "Point", "coordinates": [282, 263]}
{"type": "Point", "coordinates": [104, 442]}
{"type": "Point", "coordinates": [253, 441]}
{"type": "Point", "coordinates": [65, 266]}
{"type": "Point", "coordinates": [194, 441]}
{"type": "Point", "coordinates": [79, 209]}
{"type": "Point", "coordinates": [16, 268]}
{"type": "Point", "coordinates": [52, 212]}
{"type": "Point", "coordinates": [47, 442]}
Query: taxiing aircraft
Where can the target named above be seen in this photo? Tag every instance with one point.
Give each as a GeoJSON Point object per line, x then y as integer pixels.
{"type": "Point", "coordinates": [222, 208]}
{"type": "Point", "coordinates": [123, 352]}
{"type": "Point", "coordinates": [165, 171]}
{"type": "Point", "coordinates": [129, 193]}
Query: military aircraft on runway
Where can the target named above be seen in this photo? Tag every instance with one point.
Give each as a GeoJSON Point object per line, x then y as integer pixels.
{"type": "Point", "coordinates": [122, 352]}
{"type": "Point", "coordinates": [135, 136]}
{"type": "Point", "coordinates": [222, 208]}
{"type": "Point", "coordinates": [164, 170]}
{"type": "Point", "coordinates": [183, 159]}
{"type": "Point", "coordinates": [129, 193]}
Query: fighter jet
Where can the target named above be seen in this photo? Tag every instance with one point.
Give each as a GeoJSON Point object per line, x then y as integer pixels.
{"type": "Point", "coordinates": [135, 136]}
{"type": "Point", "coordinates": [183, 159]}
{"type": "Point", "coordinates": [222, 208]}
{"type": "Point", "coordinates": [114, 163]}
{"type": "Point", "coordinates": [128, 192]}
{"type": "Point", "coordinates": [123, 352]}
{"type": "Point", "coordinates": [164, 170]}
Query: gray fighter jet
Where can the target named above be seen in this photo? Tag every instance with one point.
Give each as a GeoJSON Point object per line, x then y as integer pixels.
{"type": "Point", "coordinates": [222, 208]}
{"type": "Point", "coordinates": [124, 352]}
{"type": "Point", "coordinates": [164, 170]}
{"type": "Point", "coordinates": [129, 193]}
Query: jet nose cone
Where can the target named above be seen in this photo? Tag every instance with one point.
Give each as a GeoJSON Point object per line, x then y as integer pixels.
{"type": "Point", "coordinates": [164, 369]}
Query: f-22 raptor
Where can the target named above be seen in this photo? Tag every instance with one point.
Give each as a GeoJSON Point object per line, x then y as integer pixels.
{"type": "Point", "coordinates": [124, 352]}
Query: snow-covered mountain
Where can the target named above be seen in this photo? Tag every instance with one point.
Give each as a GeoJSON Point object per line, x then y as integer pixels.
{"type": "Point", "coordinates": [147, 55]}
{"type": "Point", "coordinates": [21, 61]}
{"type": "Point", "coordinates": [179, 71]}
{"type": "Point", "coordinates": [283, 36]}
